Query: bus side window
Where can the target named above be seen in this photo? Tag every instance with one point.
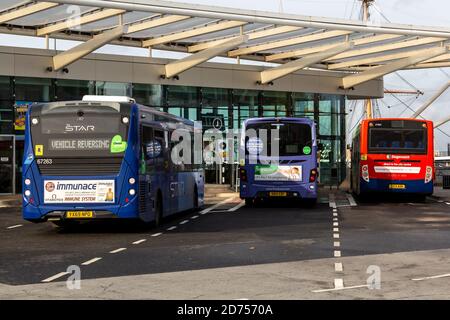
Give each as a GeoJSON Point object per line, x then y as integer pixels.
{"type": "Point", "coordinates": [147, 138]}
{"type": "Point", "coordinates": [162, 160]}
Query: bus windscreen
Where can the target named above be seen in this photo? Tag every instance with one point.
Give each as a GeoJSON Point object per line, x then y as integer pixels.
{"type": "Point", "coordinates": [398, 140]}
{"type": "Point", "coordinates": [75, 134]}
{"type": "Point", "coordinates": [295, 139]}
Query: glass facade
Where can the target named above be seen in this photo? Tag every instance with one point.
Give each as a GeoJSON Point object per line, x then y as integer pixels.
{"type": "Point", "coordinates": [215, 107]}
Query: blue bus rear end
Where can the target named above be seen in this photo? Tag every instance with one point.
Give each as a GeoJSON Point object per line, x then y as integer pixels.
{"type": "Point", "coordinates": [85, 160]}
{"type": "Point", "coordinates": [294, 175]}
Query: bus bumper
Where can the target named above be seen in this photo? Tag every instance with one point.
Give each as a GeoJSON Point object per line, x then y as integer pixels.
{"type": "Point", "coordinates": [397, 186]}
{"type": "Point", "coordinates": [44, 213]}
{"type": "Point", "coordinates": [303, 191]}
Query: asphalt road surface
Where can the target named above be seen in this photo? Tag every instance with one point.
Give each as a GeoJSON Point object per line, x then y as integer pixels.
{"type": "Point", "coordinates": [341, 248]}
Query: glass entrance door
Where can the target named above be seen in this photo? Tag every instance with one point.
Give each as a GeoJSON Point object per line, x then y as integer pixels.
{"type": "Point", "coordinates": [7, 164]}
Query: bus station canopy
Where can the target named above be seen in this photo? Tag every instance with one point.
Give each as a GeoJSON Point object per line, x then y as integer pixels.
{"type": "Point", "coordinates": [362, 51]}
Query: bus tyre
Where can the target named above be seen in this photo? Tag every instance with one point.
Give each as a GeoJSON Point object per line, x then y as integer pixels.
{"type": "Point", "coordinates": [158, 210]}
{"type": "Point", "coordinates": [195, 200]}
{"type": "Point", "coordinates": [249, 202]}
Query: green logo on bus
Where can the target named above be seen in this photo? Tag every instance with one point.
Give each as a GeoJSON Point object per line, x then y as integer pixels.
{"type": "Point", "coordinates": [306, 150]}
{"type": "Point", "coordinates": [117, 145]}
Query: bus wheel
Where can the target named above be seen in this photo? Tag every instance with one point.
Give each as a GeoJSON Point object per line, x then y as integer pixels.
{"type": "Point", "coordinates": [195, 200]}
{"type": "Point", "coordinates": [249, 202]}
{"type": "Point", "coordinates": [158, 210]}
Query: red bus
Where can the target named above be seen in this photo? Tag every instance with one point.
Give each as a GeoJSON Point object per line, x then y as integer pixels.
{"type": "Point", "coordinates": [393, 155]}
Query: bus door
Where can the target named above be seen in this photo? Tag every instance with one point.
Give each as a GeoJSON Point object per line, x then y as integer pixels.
{"type": "Point", "coordinates": [7, 164]}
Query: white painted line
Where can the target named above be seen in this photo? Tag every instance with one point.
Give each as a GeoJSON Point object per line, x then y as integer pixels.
{"type": "Point", "coordinates": [335, 224]}
{"type": "Point", "coordinates": [184, 221]}
{"type": "Point", "coordinates": [205, 211]}
{"type": "Point", "coordinates": [118, 250]}
{"type": "Point", "coordinates": [447, 203]}
{"type": "Point", "coordinates": [432, 277]}
{"type": "Point", "coordinates": [156, 234]}
{"type": "Point", "coordinates": [56, 276]}
{"type": "Point", "coordinates": [335, 219]}
{"type": "Point", "coordinates": [343, 288]}
{"type": "Point", "coordinates": [139, 241]}
{"type": "Point", "coordinates": [338, 267]}
{"type": "Point", "coordinates": [335, 229]}
{"type": "Point", "coordinates": [337, 244]}
{"type": "Point", "coordinates": [337, 253]}
{"type": "Point", "coordinates": [171, 228]}
{"type": "Point", "coordinates": [336, 235]}
{"type": "Point", "coordinates": [335, 214]}
{"type": "Point", "coordinates": [351, 200]}
{"type": "Point", "coordinates": [338, 283]}
{"type": "Point", "coordinates": [194, 217]}
{"type": "Point", "coordinates": [91, 261]}
{"type": "Point", "coordinates": [16, 226]}
{"type": "Point", "coordinates": [240, 205]}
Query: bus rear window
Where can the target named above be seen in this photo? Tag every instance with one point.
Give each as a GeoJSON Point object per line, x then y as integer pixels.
{"type": "Point", "coordinates": [295, 139]}
{"type": "Point", "coordinates": [393, 140]}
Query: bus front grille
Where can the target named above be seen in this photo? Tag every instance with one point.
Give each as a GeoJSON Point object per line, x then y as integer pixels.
{"type": "Point", "coordinates": [81, 167]}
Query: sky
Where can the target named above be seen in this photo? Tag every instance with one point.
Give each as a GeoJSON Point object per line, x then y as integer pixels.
{"type": "Point", "coordinates": [414, 12]}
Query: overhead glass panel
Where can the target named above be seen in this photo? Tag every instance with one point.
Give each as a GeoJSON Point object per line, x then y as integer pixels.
{"type": "Point", "coordinates": [52, 15]}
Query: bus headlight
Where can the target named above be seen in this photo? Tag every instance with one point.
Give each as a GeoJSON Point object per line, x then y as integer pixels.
{"type": "Point", "coordinates": [27, 182]}
{"type": "Point", "coordinates": [132, 181]}
{"type": "Point", "coordinates": [428, 174]}
{"type": "Point", "coordinates": [35, 121]}
{"type": "Point", "coordinates": [125, 120]}
{"type": "Point", "coordinates": [365, 173]}
{"type": "Point", "coordinates": [132, 192]}
{"type": "Point", "coordinates": [27, 193]}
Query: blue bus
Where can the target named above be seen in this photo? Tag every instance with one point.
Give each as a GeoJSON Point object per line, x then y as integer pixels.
{"type": "Point", "coordinates": [105, 157]}
{"type": "Point", "coordinates": [295, 173]}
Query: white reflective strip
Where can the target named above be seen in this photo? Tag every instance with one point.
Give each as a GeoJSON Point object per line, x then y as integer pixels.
{"type": "Point", "coordinates": [56, 276]}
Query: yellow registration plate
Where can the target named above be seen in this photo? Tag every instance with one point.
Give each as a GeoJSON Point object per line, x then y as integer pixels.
{"type": "Point", "coordinates": [79, 214]}
{"type": "Point", "coordinates": [278, 194]}
{"type": "Point", "coordinates": [397, 186]}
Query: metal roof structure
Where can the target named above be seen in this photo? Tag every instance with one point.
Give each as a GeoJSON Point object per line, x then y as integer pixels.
{"type": "Point", "coordinates": [363, 50]}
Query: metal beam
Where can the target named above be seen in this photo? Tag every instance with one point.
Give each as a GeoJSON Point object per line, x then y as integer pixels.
{"type": "Point", "coordinates": [78, 21]}
{"type": "Point", "coordinates": [381, 58]}
{"type": "Point", "coordinates": [192, 33]}
{"type": "Point", "coordinates": [386, 47]}
{"type": "Point", "coordinates": [176, 67]}
{"type": "Point", "coordinates": [288, 42]}
{"type": "Point", "coordinates": [251, 36]}
{"type": "Point", "coordinates": [419, 111]}
{"type": "Point", "coordinates": [67, 57]}
{"type": "Point", "coordinates": [376, 72]}
{"type": "Point", "coordinates": [155, 23]}
{"type": "Point", "coordinates": [24, 11]}
{"type": "Point", "coordinates": [293, 66]}
{"type": "Point", "coordinates": [253, 16]}
{"type": "Point", "coordinates": [441, 122]}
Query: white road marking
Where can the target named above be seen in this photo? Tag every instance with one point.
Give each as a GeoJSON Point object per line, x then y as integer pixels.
{"type": "Point", "coordinates": [205, 211]}
{"type": "Point", "coordinates": [91, 261]}
{"type": "Point", "coordinates": [184, 221]}
{"type": "Point", "coordinates": [171, 228]}
{"type": "Point", "coordinates": [432, 277]}
{"type": "Point", "coordinates": [335, 224]}
{"type": "Point", "coordinates": [156, 234]}
{"type": "Point", "coordinates": [338, 283]}
{"type": "Point", "coordinates": [447, 203]}
{"type": "Point", "coordinates": [118, 250]}
{"type": "Point", "coordinates": [194, 217]}
{"type": "Point", "coordinates": [343, 288]}
{"type": "Point", "coordinates": [351, 200]}
{"type": "Point", "coordinates": [338, 267]}
{"type": "Point", "coordinates": [335, 219]}
{"type": "Point", "coordinates": [139, 241]}
{"type": "Point", "coordinates": [16, 226]}
{"type": "Point", "coordinates": [337, 253]}
{"type": "Point", "coordinates": [240, 205]}
{"type": "Point", "coordinates": [335, 214]}
{"type": "Point", "coordinates": [335, 229]}
{"type": "Point", "coordinates": [56, 276]}
{"type": "Point", "coordinates": [336, 235]}
{"type": "Point", "coordinates": [337, 244]}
